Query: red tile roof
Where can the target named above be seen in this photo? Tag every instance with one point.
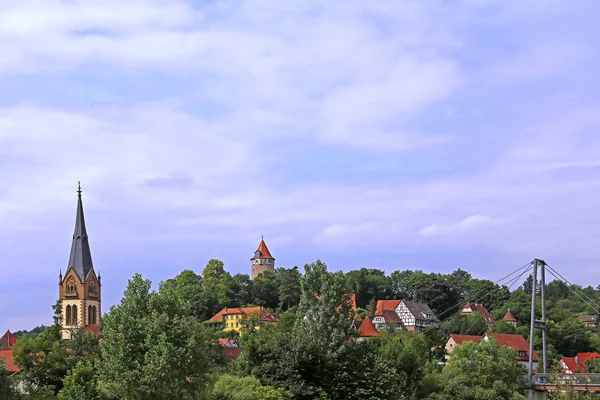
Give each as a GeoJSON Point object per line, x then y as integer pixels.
{"type": "Point", "coordinates": [367, 329]}
{"type": "Point", "coordinates": [231, 353]}
{"type": "Point", "coordinates": [263, 251]}
{"type": "Point", "coordinates": [475, 307]}
{"type": "Point", "coordinates": [92, 328]}
{"type": "Point", "coordinates": [577, 364]}
{"type": "Point", "coordinates": [352, 301]}
{"type": "Point", "coordinates": [515, 342]}
{"type": "Point", "coordinates": [460, 339]}
{"type": "Point", "coordinates": [571, 365]}
{"type": "Point", "coordinates": [9, 362]}
{"type": "Point", "coordinates": [264, 314]}
{"type": "Point", "coordinates": [509, 317]}
{"type": "Point", "coordinates": [7, 341]}
{"type": "Point", "coordinates": [389, 316]}
{"type": "Point", "coordinates": [386, 305]}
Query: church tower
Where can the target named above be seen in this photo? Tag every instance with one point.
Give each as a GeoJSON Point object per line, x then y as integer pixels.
{"type": "Point", "coordinates": [79, 291]}
{"type": "Point", "coordinates": [262, 260]}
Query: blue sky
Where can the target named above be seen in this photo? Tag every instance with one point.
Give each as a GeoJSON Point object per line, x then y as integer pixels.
{"type": "Point", "coordinates": [390, 134]}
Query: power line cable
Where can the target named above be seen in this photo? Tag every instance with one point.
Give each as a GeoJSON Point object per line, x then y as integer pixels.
{"type": "Point", "coordinates": [474, 296]}
{"type": "Point", "coordinates": [569, 284]}
{"type": "Point", "coordinates": [515, 280]}
{"type": "Point", "coordinates": [593, 306]}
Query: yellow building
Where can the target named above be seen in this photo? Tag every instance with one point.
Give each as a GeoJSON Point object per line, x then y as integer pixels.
{"type": "Point", "coordinates": [234, 319]}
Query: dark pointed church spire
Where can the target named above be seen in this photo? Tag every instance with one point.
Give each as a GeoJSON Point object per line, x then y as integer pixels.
{"type": "Point", "coordinates": [81, 257]}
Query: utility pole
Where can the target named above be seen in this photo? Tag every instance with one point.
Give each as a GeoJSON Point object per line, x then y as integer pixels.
{"type": "Point", "coordinates": [534, 323]}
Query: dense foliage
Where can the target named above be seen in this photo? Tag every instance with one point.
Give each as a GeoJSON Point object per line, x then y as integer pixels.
{"type": "Point", "coordinates": [154, 344]}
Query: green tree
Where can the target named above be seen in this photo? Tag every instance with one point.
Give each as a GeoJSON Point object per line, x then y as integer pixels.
{"type": "Point", "coordinates": [42, 360]}
{"type": "Point", "coordinates": [152, 348]}
{"type": "Point", "coordinates": [7, 391]}
{"type": "Point", "coordinates": [217, 285]}
{"type": "Point", "coordinates": [228, 387]}
{"type": "Point", "coordinates": [266, 289]}
{"type": "Point", "coordinates": [400, 284]}
{"type": "Point", "coordinates": [81, 383]}
{"type": "Point", "coordinates": [470, 324]}
{"type": "Point", "coordinates": [367, 284]}
{"type": "Point", "coordinates": [481, 371]}
{"type": "Point", "coordinates": [243, 291]}
{"type": "Point", "coordinates": [501, 326]}
{"type": "Point", "coordinates": [486, 292]}
{"type": "Point", "coordinates": [569, 337]}
{"type": "Point", "coordinates": [317, 358]}
{"type": "Point", "coordinates": [188, 286]}
{"type": "Point", "coordinates": [289, 287]}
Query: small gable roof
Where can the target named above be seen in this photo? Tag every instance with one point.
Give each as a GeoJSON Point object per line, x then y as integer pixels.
{"type": "Point", "coordinates": [386, 305]}
{"type": "Point", "coordinates": [460, 339]}
{"type": "Point", "coordinates": [509, 317]}
{"type": "Point", "coordinates": [367, 329]}
{"type": "Point", "coordinates": [389, 316]}
{"type": "Point", "coordinates": [7, 341]}
{"type": "Point", "coordinates": [419, 310]}
{"type": "Point", "coordinates": [480, 308]}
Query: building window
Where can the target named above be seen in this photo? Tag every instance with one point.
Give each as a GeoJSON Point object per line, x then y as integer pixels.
{"type": "Point", "coordinates": [68, 315]}
{"type": "Point", "coordinates": [93, 289]}
{"type": "Point", "coordinates": [92, 315]}
{"type": "Point", "coordinates": [71, 285]}
{"type": "Point", "coordinates": [74, 315]}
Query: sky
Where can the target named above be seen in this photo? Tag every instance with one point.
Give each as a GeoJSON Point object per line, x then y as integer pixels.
{"type": "Point", "coordinates": [388, 134]}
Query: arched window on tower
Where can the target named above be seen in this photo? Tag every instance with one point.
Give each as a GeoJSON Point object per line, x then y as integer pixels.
{"type": "Point", "coordinates": [90, 315]}
{"type": "Point", "coordinates": [68, 312]}
{"type": "Point", "coordinates": [93, 289]}
{"type": "Point", "coordinates": [71, 289]}
{"type": "Point", "coordinates": [95, 314]}
{"type": "Point", "coordinates": [74, 319]}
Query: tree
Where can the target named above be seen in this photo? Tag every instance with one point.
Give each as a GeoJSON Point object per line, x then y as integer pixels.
{"type": "Point", "coordinates": [569, 337]}
{"type": "Point", "coordinates": [188, 286]}
{"type": "Point", "coordinates": [367, 284]}
{"type": "Point", "coordinates": [400, 284]}
{"type": "Point", "coordinates": [557, 290]}
{"type": "Point", "coordinates": [42, 360]}
{"type": "Point", "coordinates": [217, 285]}
{"type": "Point", "coordinates": [266, 289]}
{"type": "Point", "coordinates": [501, 326]}
{"type": "Point", "coordinates": [152, 348]}
{"type": "Point", "coordinates": [7, 391]}
{"type": "Point", "coordinates": [592, 365]}
{"type": "Point", "coordinates": [470, 324]}
{"type": "Point", "coordinates": [481, 371]}
{"type": "Point", "coordinates": [228, 387]}
{"type": "Point", "coordinates": [289, 287]}
{"type": "Point", "coordinates": [81, 383]}
{"type": "Point", "coordinates": [242, 288]}
{"type": "Point", "coordinates": [317, 358]}
{"type": "Point", "coordinates": [486, 292]}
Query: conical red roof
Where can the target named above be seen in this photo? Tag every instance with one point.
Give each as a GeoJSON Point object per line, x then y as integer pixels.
{"type": "Point", "coordinates": [367, 329]}
{"type": "Point", "coordinates": [7, 341]}
{"type": "Point", "coordinates": [263, 251]}
{"type": "Point", "coordinates": [509, 317]}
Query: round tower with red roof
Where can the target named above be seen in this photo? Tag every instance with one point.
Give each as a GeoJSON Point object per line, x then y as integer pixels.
{"type": "Point", "coordinates": [262, 260]}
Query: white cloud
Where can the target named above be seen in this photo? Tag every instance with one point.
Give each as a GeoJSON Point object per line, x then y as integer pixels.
{"type": "Point", "coordinates": [467, 225]}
